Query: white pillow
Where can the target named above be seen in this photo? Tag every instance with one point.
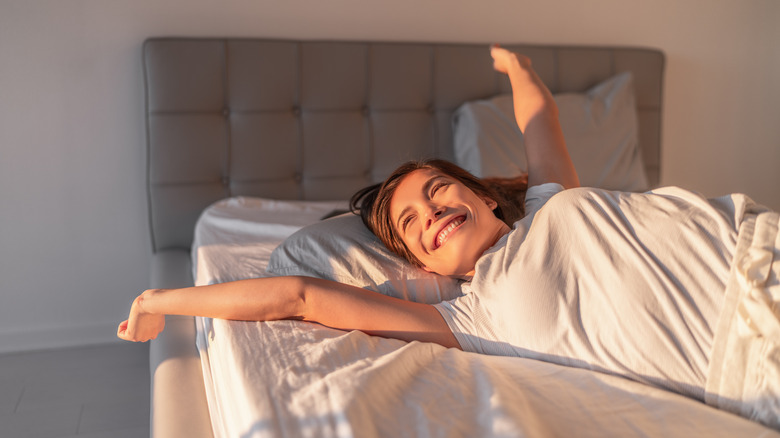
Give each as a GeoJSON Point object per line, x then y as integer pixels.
{"type": "Point", "coordinates": [344, 250]}
{"type": "Point", "coordinates": [600, 128]}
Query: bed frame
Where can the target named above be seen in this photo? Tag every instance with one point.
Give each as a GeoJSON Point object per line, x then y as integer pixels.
{"type": "Point", "coordinates": [314, 120]}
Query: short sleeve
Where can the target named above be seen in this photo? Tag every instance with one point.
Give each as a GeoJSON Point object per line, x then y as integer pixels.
{"type": "Point", "coordinates": [458, 313]}
{"type": "Point", "coordinates": [536, 196]}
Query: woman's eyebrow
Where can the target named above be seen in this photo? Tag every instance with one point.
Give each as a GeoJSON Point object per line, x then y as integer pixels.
{"type": "Point", "coordinates": [425, 189]}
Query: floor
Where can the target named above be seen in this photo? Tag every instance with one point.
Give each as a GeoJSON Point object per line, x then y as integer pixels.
{"type": "Point", "coordinates": [96, 392]}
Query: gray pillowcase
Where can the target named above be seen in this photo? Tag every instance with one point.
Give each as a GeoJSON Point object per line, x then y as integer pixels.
{"type": "Point", "coordinates": [344, 250]}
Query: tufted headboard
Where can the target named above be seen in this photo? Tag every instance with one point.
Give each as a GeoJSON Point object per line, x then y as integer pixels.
{"type": "Point", "coordinates": [318, 120]}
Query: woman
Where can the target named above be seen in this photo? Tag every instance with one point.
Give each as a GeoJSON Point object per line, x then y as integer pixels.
{"type": "Point", "coordinates": [638, 285]}
{"type": "Point", "coordinates": [342, 306]}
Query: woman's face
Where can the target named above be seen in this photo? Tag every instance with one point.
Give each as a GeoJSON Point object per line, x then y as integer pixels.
{"type": "Point", "coordinates": [443, 223]}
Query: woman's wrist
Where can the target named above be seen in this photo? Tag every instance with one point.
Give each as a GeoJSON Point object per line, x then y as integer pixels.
{"type": "Point", "coordinates": [516, 67]}
{"type": "Point", "coordinates": [147, 300]}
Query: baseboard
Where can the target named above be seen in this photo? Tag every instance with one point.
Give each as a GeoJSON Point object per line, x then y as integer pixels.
{"type": "Point", "coordinates": [44, 339]}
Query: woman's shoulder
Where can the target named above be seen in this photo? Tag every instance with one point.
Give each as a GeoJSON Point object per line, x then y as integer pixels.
{"type": "Point", "coordinates": [538, 195]}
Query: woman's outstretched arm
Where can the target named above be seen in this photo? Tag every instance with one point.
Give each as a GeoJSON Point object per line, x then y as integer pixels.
{"type": "Point", "coordinates": [537, 116]}
{"type": "Point", "coordinates": [329, 303]}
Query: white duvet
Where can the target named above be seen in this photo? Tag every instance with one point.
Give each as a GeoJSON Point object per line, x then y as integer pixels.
{"type": "Point", "coordinates": [296, 379]}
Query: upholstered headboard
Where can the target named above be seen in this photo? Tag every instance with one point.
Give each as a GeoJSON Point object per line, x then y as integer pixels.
{"type": "Point", "coordinates": [318, 120]}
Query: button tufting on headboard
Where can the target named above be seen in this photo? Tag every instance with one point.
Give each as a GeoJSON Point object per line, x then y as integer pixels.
{"type": "Point", "coordinates": [319, 120]}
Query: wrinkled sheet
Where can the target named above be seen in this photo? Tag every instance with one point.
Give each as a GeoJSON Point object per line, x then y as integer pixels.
{"type": "Point", "coordinates": [291, 378]}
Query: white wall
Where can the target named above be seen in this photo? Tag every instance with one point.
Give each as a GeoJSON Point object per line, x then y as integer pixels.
{"type": "Point", "coordinates": [74, 249]}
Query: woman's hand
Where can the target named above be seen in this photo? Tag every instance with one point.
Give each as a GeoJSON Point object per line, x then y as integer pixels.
{"type": "Point", "coordinates": [531, 96]}
{"type": "Point", "coordinates": [503, 59]}
{"type": "Point", "coordinates": [141, 326]}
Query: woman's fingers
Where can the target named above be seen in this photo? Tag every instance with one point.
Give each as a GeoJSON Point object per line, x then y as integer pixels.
{"type": "Point", "coordinates": [134, 335]}
{"type": "Point", "coordinates": [122, 328]}
{"type": "Point", "coordinates": [140, 327]}
{"type": "Point", "coordinates": [121, 331]}
{"type": "Point", "coordinates": [503, 58]}
{"type": "Point", "coordinates": [499, 58]}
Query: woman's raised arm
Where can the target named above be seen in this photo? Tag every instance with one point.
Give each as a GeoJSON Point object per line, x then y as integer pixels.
{"type": "Point", "coordinates": [537, 116]}
{"type": "Point", "coordinates": [329, 303]}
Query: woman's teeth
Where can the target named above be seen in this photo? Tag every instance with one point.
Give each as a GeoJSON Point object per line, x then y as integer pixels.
{"type": "Point", "coordinates": [443, 234]}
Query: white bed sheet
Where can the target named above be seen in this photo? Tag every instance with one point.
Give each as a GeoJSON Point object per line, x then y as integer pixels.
{"type": "Point", "coordinates": [291, 378]}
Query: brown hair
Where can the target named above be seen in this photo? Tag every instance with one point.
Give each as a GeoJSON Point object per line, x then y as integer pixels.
{"type": "Point", "coordinates": [373, 202]}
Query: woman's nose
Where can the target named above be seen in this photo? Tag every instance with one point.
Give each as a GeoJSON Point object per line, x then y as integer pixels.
{"type": "Point", "coordinates": [432, 215]}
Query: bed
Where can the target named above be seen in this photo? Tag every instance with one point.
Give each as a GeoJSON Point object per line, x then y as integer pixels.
{"type": "Point", "coordinates": [249, 140]}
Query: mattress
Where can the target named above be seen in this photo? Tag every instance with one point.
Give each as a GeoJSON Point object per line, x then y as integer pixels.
{"type": "Point", "coordinates": [299, 379]}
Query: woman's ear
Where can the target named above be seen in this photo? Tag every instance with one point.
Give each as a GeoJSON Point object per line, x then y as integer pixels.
{"type": "Point", "coordinates": [491, 203]}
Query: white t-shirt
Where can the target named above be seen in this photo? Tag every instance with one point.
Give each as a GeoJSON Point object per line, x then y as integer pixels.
{"type": "Point", "coordinates": [625, 283]}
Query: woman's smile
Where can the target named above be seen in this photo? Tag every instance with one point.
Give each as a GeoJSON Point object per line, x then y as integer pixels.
{"type": "Point", "coordinates": [447, 229]}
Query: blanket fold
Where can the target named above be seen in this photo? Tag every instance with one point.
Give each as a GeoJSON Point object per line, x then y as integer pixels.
{"type": "Point", "coordinates": [744, 371]}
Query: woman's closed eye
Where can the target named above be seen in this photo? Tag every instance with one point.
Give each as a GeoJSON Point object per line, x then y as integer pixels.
{"type": "Point", "coordinates": [435, 188]}
{"type": "Point", "coordinates": [407, 220]}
